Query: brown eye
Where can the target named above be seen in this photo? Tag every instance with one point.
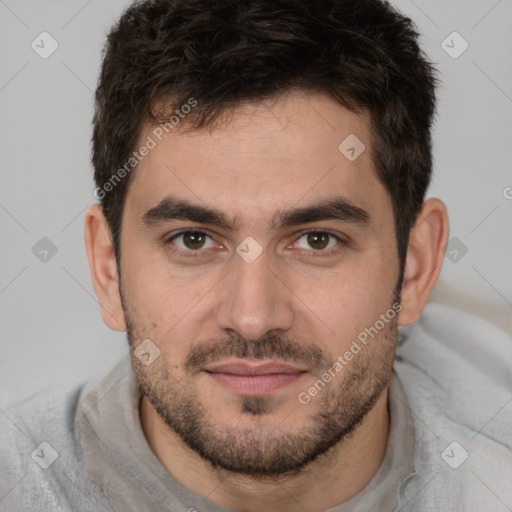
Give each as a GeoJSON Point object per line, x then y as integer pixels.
{"type": "Point", "coordinates": [318, 241]}
{"type": "Point", "coordinates": [191, 241]}
{"type": "Point", "coordinates": [194, 239]}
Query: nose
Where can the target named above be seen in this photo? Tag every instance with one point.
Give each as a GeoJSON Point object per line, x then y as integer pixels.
{"type": "Point", "coordinates": [254, 300]}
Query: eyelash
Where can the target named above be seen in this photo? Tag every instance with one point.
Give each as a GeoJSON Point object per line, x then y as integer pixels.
{"type": "Point", "coordinates": [314, 254]}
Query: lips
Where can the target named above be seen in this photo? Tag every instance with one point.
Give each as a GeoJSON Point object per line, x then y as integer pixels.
{"type": "Point", "coordinates": [246, 368]}
{"type": "Point", "coordinates": [254, 378]}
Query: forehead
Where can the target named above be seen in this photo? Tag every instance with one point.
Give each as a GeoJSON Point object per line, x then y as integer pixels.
{"type": "Point", "coordinates": [262, 157]}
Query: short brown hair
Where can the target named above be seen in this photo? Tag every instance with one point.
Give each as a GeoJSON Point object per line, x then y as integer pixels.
{"type": "Point", "coordinates": [363, 53]}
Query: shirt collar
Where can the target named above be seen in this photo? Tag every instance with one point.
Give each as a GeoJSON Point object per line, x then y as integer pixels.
{"type": "Point", "coordinates": [120, 461]}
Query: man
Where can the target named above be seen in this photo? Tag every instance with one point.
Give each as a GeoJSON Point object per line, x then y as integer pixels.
{"type": "Point", "coordinates": [262, 233]}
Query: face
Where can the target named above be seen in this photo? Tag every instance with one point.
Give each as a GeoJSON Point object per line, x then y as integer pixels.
{"type": "Point", "coordinates": [261, 262]}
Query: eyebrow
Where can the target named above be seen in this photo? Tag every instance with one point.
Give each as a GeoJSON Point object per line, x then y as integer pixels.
{"type": "Point", "coordinates": [337, 208]}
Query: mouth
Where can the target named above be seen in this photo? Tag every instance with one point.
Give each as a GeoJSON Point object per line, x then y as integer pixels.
{"type": "Point", "coordinates": [254, 378]}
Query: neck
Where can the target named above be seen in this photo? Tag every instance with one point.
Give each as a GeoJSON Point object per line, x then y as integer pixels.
{"type": "Point", "coordinates": [331, 480]}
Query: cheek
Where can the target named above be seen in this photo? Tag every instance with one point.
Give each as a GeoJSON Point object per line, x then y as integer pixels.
{"type": "Point", "coordinates": [348, 302]}
{"type": "Point", "coordinates": [169, 309]}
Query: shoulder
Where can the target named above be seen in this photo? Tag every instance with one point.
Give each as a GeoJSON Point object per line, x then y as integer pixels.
{"type": "Point", "coordinates": [41, 463]}
{"type": "Point", "coordinates": [457, 366]}
{"type": "Point", "coordinates": [455, 369]}
{"type": "Point", "coordinates": [46, 416]}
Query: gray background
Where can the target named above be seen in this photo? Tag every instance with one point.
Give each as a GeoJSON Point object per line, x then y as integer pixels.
{"type": "Point", "coordinates": [52, 332]}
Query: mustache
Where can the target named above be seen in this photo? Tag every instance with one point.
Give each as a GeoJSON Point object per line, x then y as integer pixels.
{"type": "Point", "coordinates": [270, 346]}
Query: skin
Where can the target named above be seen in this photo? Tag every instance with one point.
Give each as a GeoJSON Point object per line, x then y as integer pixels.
{"type": "Point", "coordinates": [261, 159]}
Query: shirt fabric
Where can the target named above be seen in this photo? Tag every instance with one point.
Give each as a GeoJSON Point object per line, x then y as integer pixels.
{"type": "Point", "coordinates": [449, 446]}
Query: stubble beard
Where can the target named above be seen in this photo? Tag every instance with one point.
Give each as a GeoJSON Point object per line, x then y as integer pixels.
{"type": "Point", "coordinates": [263, 451]}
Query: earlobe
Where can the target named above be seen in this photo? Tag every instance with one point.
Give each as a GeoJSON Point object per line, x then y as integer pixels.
{"type": "Point", "coordinates": [102, 263]}
{"type": "Point", "coordinates": [425, 255]}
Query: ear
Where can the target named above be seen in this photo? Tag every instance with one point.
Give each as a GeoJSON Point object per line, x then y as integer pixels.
{"type": "Point", "coordinates": [102, 263]}
{"type": "Point", "coordinates": [425, 255]}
